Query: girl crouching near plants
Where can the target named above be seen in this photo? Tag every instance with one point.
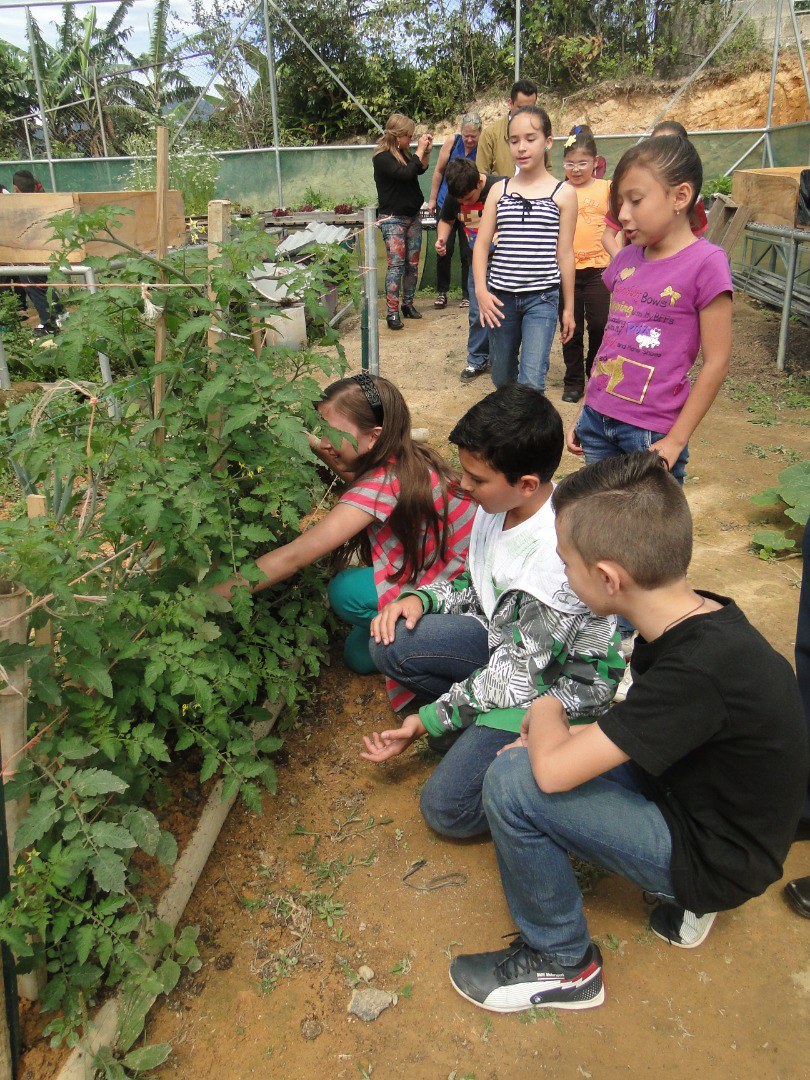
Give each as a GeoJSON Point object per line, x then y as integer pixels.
{"type": "Point", "coordinates": [402, 512]}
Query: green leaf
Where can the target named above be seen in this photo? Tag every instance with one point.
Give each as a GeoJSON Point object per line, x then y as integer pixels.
{"type": "Point", "coordinates": [74, 748]}
{"type": "Point", "coordinates": [147, 1057]}
{"type": "Point", "coordinates": [36, 823]}
{"type": "Point", "coordinates": [169, 973]}
{"type": "Point", "coordinates": [767, 498]}
{"type": "Point", "coordinates": [106, 834]}
{"type": "Point", "coordinates": [772, 540]}
{"type": "Point", "coordinates": [97, 782]}
{"type": "Point", "coordinates": [85, 939]}
{"type": "Point", "coordinates": [166, 852]}
{"type": "Point", "coordinates": [109, 871]}
{"type": "Point", "coordinates": [92, 673]}
{"type": "Point", "coordinates": [143, 825]}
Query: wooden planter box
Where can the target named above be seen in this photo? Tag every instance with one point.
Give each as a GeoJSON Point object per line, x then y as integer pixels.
{"type": "Point", "coordinates": [771, 194]}
{"type": "Point", "coordinates": [26, 235]}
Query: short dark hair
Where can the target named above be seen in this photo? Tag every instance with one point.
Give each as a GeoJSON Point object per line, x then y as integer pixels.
{"type": "Point", "coordinates": [630, 510]}
{"type": "Point", "coordinates": [462, 176]}
{"type": "Point", "coordinates": [25, 181]}
{"type": "Point", "coordinates": [523, 86]}
{"type": "Point", "coordinates": [670, 127]}
{"type": "Point", "coordinates": [516, 430]}
{"type": "Point", "coordinates": [674, 160]}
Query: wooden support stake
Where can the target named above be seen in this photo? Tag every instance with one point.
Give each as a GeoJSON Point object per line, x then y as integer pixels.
{"type": "Point", "coordinates": [219, 223]}
{"type": "Point", "coordinates": [161, 214]}
{"type": "Point", "coordinates": [13, 734]}
{"type": "Point", "coordinates": [35, 505]}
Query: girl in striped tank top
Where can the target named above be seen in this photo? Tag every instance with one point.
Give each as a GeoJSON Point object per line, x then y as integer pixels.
{"type": "Point", "coordinates": [402, 512]}
{"type": "Point", "coordinates": [534, 217]}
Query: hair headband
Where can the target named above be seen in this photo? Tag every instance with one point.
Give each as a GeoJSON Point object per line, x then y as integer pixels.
{"type": "Point", "coordinates": [372, 395]}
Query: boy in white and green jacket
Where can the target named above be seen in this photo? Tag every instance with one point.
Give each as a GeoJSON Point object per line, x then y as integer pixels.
{"type": "Point", "coordinates": [508, 630]}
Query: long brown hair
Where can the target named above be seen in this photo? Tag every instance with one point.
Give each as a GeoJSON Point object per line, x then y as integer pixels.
{"type": "Point", "coordinates": [397, 125]}
{"type": "Point", "coordinates": [414, 519]}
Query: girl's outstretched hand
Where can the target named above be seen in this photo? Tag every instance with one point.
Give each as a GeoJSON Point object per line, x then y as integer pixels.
{"type": "Point", "coordinates": [572, 443]}
{"type": "Point", "coordinates": [387, 744]}
{"type": "Point", "coordinates": [383, 626]}
{"type": "Point", "coordinates": [490, 308]}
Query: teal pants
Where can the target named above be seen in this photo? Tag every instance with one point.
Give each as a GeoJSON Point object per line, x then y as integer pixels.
{"type": "Point", "coordinates": [353, 598]}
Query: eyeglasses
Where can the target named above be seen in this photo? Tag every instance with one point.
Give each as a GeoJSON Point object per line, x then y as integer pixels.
{"type": "Point", "coordinates": [571, 166]}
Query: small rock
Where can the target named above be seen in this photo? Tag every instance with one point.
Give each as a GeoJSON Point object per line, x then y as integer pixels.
{"type": "Point", "coordinates": [311, 1029]}
{"type": "Point", "coordinates": [223, 961]}
{"type": "Point", "coordinates": [365, 973]}
{"type": "Point", "coordinates": [420, 434]}
{"type": "Point", "coordinates": [369, 1003]}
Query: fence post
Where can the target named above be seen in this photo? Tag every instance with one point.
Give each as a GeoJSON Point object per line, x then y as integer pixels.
{"type": "Point", "coordinates": [9, 1001]}
{"type": "Point", "coordinates": [219, 223]}
{"type": "Point", "coordinates": [161, 193]}
{"type": "Point", "coordinates": [371, 329]}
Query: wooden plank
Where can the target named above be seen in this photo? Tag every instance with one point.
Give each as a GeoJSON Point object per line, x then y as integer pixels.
{"type": "Point", "coordinates": [26, 234]}
{"type": "Point", "coordinates": [771, 195]}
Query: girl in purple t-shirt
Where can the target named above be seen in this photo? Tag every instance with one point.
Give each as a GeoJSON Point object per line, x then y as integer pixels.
{"type": "Point", "coordinates": [671, 297]}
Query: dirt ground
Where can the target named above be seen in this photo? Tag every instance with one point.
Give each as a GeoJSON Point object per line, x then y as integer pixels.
{"type": "Point", "coordinates": [294, 902]}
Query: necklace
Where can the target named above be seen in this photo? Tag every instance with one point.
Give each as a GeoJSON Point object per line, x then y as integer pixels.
{"type": "Point", "coordinates": [691, 611]}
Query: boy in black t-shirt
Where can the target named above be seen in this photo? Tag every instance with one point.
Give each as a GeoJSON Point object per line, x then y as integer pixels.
{"type": "Point", "coordinates": [467, 191]}
{"type": "Point", "coordinates": [691, 788]}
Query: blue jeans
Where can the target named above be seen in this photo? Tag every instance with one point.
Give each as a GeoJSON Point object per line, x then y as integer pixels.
{"type": "Point", "coordinates": [478, 336]}
{"type": "Point", "coordinates": [451, 800]}
{"type": "Point", "coordinates": [606, 821]}
{"type": "Point", "coordinates": [353, 598]}
{"type": "Point", "coordinates": [439, 651]}
{"type": "Point", "coordinates": [602, 437]}
{"type": "Point", "coordinates": [528, 322]}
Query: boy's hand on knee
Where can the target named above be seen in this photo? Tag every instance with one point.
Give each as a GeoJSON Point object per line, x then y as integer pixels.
{"type": "Point", "coordinates": [387, 744]}
{"type": "Point", "coordinates": [383, 626]}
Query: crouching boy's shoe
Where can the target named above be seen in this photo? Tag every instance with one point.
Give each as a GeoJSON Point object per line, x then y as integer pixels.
{"type": "Point", "coordinates": [681, 927]}
{"type": "Point", "coordinates": [519, 977]}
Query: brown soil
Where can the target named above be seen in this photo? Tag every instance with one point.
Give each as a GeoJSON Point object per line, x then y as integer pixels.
{"type": "Point", "coordinates": [737, 1006]}
{"type": "Point", "coordinates": [715, 101]}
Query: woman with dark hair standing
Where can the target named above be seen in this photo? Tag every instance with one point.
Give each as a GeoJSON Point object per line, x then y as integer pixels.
{"type": "Point", "coordinates": [399, 200]}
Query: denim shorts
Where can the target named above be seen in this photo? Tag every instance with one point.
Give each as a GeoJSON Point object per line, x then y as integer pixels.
{"type": "Point", "coordinates": [601, 436]}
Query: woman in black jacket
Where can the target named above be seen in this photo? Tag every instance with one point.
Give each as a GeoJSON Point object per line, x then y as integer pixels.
{"type": "Point", "coordinates": [399, 199]}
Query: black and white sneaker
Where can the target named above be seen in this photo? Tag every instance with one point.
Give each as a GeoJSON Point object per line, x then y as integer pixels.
{"type": "Point", "coordinates": [680, 927]}
{"type": "Point", "coordinates": [519, 977]}
{"type": "Point", "coordinates": [471, 372]}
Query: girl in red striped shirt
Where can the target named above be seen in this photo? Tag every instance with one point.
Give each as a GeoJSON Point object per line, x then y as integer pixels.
{"type": "Point", "coordinates": [402, 512]}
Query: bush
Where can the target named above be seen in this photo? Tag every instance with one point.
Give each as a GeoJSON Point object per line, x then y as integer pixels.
{"type": "Point", "coordinates": [148, 662]}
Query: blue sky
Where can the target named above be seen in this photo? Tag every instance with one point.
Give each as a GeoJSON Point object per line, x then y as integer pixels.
{"type": "Point", "coordinates": [12, 22]}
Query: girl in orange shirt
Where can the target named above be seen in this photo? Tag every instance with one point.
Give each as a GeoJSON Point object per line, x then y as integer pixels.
{"type": "Point", "coordinates": [591, 297]}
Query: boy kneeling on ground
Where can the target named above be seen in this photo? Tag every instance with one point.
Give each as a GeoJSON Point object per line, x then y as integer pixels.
{"type": "Point", "coordinates": [691, 788]}
{"type": "Point", "coordinates": [508, 629]}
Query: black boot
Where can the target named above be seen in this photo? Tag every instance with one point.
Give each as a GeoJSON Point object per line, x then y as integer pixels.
{"type": "Point", "coordinates": [394, 321]}
{"type": "Point", "coordinates": [410, 312]}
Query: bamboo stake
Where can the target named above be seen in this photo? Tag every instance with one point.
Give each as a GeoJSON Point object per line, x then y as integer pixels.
{"type": "Point", "coordinates": [35, 505]}
{"type": "Point", "coordinates": [219, 221]}
{"type": "Point", "coordinates": [161, 215]}
{"type": "Point", "coordinates": [13, 710]}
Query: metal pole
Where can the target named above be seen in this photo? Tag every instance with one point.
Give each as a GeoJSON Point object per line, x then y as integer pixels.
{"type": "Point", "coordinates": [767, 150]}
{"type": "Point", "coordinates": [517, 40]}
{"type": "Point", "coordinates": [103, 360]}
{"type": "Point", "coordinates": [370, 282]}
{"type": "Point", "coordinates": [5, 374]}
{"type": "Point", "coordinates": [271, 74]}
{"type": "Point", "coordinates": [800, 48]}
{"type": "Point", "coordinates": [784, 325]}
{"type": "Point", "coordinates": [28, 141]}
{"type": "Point", "coordinates": [326, 67]}
{"type": "Point", "coordinates": [220, 66]}
{"type": "Point", "coordinates": [43, 118]}
{"type": "Point", "coordinates": [721, 41]}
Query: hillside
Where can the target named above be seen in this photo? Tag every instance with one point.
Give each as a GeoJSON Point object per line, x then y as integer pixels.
{"type": "Point", "coordinates": [713, 101]}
